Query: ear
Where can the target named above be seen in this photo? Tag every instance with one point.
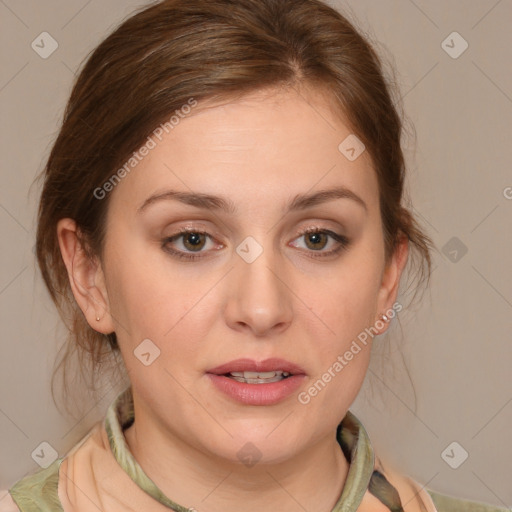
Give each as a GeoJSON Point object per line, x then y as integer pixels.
{"type": "Point", "coordinates": [85, 277]}
{"type": "Point", "coordinates": [391, 280]}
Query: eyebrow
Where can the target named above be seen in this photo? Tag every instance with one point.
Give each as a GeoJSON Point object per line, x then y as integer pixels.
{"type": "Point", "coordinates": [212, 202]}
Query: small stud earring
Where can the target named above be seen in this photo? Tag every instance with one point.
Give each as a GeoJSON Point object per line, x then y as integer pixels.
{"type": "Point", "coordinates": [97, 319]}
{"type": "Point", "coordinates": [385, 318]}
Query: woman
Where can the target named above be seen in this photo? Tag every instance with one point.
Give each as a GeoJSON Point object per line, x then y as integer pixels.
{"type": "Point", "coordinates": [223, 209]}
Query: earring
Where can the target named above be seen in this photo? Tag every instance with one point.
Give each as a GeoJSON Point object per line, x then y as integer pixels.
{"type": "Point", "coordinates": [97, 319]}
{"type": "Point", "coordinates": [385, 318]}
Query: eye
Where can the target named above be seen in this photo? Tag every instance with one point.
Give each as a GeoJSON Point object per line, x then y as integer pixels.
{"type": "Point", "coordinates": [193, 241]}
{"type": "Point", "coordinates": [316, 239]}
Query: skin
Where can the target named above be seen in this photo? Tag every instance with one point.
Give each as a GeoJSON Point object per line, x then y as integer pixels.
{"type": "Point", "coordinates": [260, 152]}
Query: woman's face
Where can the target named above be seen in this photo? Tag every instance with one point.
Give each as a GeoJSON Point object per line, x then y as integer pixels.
{"type": "Point", "coordinates": [254, 286]}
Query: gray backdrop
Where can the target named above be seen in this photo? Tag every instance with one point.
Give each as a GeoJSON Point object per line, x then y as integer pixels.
{"type": "Point", "coordinates": [457, 346]}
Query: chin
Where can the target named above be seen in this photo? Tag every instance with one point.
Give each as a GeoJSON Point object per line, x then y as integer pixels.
{"type": "Point", "coordinates": [259, 442]}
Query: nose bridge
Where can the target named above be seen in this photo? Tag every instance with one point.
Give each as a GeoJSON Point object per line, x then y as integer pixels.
{"type": "Point", "coordinates": [256, 268]}
{"type": "Point", "coordinates": [259, 296]}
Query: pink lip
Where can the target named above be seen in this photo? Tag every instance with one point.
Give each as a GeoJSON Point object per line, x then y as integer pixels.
{"type": "Point", "coordinates": [257, 394]}
{"type": "Point", "coordinates": [250, 365]}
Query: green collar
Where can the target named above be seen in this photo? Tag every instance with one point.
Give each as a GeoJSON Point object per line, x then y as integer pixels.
{"type": "Point", "coordinates": [350, 434]}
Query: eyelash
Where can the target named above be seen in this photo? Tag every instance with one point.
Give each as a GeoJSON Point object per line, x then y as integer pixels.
{"type": "Point", "coordinates": [342, 240]}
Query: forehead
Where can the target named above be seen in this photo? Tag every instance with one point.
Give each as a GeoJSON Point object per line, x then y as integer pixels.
{"type": "Point", "coordinates": [267, 146]}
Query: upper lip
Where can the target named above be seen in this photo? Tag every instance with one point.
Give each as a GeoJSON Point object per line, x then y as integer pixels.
{"type": "Point", "coordinates": [250, 365]}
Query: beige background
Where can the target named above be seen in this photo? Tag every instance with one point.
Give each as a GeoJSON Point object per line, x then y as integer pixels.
{"type": "Point", "coordinates": [457, 345]}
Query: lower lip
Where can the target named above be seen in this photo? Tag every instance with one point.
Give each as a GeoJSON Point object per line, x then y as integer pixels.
{"type": "Point", "coordinates": [257, 394]}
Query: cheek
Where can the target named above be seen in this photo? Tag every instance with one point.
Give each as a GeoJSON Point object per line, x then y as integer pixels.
{"type": "Point", "coordinates": [345, 305]}
{"type": "Point", "coordinates": [346, 301]}
{"type": "Point", "coordinates": [343, 351]}
{"type": "Point", "coordinates": [136, 289]}
{"type": "Point", "coordinates": [150, 299]}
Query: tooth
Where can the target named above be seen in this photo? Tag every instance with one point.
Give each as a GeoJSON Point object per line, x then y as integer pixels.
{"type": "Point", "coordinates": [259, 377]}
{"type": "Point", "coordinates": [263, 381]}
{"type": "Point", "coordinates": [267, 375]}
{"type": "Point", "coordinates": [277, 378]}
{"type": "Point", "coordinates": [250, 375]}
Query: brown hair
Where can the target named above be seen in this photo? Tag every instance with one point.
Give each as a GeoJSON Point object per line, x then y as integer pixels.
{"type": "Point", "coordinates": [175, 50]}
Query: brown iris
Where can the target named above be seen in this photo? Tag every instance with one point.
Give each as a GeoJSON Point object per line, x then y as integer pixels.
{"type": "Point", "coordinates": [317, 239]}
{"type": "Point", "coordinates": [195, 240]}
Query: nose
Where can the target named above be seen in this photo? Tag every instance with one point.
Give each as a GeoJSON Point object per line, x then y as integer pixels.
{"type": "Point", "coordinates": [260, 298]}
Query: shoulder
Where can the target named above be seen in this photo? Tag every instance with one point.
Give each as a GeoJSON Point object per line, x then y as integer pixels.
{"type": "Point", "coordinates": [413, 496]}
{"type": "Point", "coordinates": [7, 504]}
{"type": "Point", "coordinates": [38, 491]}
{"type": "Point", "coordinates": [446, 503]}
{"type": "Point", "coordinates": [417, 497]}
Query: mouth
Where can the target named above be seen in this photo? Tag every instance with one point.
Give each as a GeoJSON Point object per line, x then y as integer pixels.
{"type": "Point", "coordinates": [257, 382]}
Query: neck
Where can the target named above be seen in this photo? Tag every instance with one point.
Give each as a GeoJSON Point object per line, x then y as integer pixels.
{"type": "Point", "coordinates": [313, 480]}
